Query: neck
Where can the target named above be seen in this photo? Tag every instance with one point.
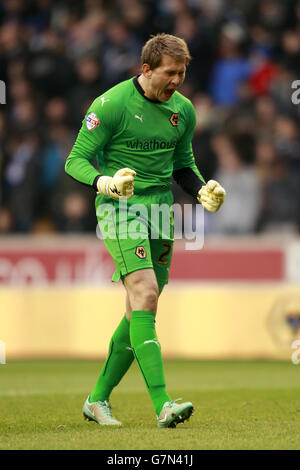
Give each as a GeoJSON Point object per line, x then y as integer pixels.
{"type": "Point", "coordinates": [145, 85]}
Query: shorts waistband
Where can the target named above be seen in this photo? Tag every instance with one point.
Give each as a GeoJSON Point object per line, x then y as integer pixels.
{"type": "Point", "coordinates": [153, 190]}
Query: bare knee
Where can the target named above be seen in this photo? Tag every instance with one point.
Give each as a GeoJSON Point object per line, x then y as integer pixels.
{"type": "Point", "coordinates": [148, 294]}
{"type": "Point", "coordinates": [144, 296]}
{"type": "Point", "coordinates": [142, 292]}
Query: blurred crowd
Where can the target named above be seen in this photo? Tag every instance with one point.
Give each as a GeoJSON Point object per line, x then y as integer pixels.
{"type": "Point", "coordinates": [57, 56]}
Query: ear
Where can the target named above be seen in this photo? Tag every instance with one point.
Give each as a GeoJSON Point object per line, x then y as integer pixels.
{"type": "Point", "coordinates": [147, 72]}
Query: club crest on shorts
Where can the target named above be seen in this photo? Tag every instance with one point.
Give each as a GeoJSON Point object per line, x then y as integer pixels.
{"type": "Point", "coordinates": [92, 121]}
{"type": "Point", "coordinates": [174, 119]}
{"type": "Point", "coordinates": [140, 252]}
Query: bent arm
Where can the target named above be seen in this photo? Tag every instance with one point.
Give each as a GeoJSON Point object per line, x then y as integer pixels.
{"type": "Point", "coordinates": [94, 134]}
{"type": "Point", "coordinates": [185, 171]}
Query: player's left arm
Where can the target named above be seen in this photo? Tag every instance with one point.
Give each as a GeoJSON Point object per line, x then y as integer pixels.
{"type": "Point", "coordinates": [187, 175]}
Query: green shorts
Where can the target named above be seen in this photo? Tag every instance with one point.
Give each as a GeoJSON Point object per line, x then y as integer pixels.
{"type": "Point", "coordinates": [138, 232]}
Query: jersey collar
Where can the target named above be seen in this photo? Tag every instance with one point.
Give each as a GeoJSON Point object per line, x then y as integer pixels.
{"type": "Point", "coordinates": [142, 92]}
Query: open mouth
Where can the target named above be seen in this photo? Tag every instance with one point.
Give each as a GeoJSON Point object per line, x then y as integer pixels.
{"type": "Point", "coordinates": [169, 92]}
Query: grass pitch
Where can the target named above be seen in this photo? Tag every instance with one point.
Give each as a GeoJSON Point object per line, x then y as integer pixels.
{"type": "Point", "coordinates": [238, 405]}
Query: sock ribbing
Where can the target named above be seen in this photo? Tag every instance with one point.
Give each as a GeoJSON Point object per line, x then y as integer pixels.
{"type": "Point", "coordinates": [147, 351]}
{"type": "Point", "coordinates": [118, 361]}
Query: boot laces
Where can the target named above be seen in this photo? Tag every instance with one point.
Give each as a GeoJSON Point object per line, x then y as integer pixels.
{"type": "Point", "coordinates": [105, 408]}
{"type": "Point", "coordinates": [173, 402]}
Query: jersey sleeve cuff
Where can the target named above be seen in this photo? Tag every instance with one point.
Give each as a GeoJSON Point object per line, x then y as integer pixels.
{"type": "Point", "coordinates": [188, 180]}
{"type": "Point", "coordinates": [95, 182]}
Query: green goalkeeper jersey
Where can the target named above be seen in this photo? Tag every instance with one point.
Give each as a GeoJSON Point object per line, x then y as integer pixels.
{"type": "Point", "coordinates": [122, 128]}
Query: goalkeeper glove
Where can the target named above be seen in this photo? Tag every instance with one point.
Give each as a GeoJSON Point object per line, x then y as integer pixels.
{"type": "Point", "coordinates": [120, 185]}
{"type": "Point", "coordinates": [211, 196]}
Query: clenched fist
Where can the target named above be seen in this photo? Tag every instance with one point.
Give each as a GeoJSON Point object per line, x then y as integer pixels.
{"type": "Point", "coordinates": [120, 185]}
{"type": "Point", "coordinates": [211, 196]}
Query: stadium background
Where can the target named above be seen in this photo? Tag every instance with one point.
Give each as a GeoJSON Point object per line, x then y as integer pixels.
{"type": "Point", "coordinates": [236, 298]}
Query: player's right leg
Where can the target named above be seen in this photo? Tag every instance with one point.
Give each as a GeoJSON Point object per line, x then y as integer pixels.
{"type": "Point", "coordinates": [120, 354]}
{"type": "Point", "coordinates": [99, 411]}
{"type": "Point", "coordinates": [118, 361]}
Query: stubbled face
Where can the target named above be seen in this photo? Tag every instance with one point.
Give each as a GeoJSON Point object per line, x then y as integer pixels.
{"type": "Point", "coordinates": [165, 79]}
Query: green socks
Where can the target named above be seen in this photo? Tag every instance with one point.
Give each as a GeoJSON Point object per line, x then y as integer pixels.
{"type": "Point", "coordinates": [118, 361]}
{"type": "Point", "coordinates": [139, 336]}
{"type": "Point", "coordinates": [148, 355]}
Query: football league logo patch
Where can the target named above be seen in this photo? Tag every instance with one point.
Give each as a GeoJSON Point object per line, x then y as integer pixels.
{"type": "Point", "coordinates": [140, 252]}
{"type": "Point", "coordinates": [174, 119]}
{"type": "Point", "coordinates": [92, 121]}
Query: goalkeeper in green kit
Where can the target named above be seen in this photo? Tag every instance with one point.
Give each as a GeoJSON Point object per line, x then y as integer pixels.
{"type": "Point", "coordinates": [140, 133]}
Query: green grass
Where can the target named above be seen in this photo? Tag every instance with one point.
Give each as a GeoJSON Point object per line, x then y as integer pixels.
{"type": "Point", "coordinates": [238, 405]}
